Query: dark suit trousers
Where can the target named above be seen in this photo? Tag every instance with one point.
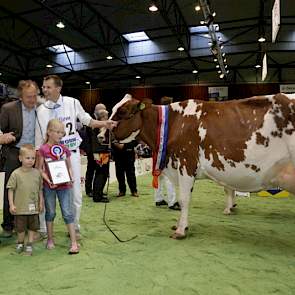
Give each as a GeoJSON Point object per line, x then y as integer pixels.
{"type": "Point", "coordinates": [100, 179]}
{"type": "Point", "coordinates": [10, 164]}
{"type": "Point", "coordinates": [89, 173]}
{"type": "Point", "coordinates": [124, 163]}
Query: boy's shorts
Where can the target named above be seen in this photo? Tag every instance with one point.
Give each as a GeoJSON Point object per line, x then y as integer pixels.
{"type": "Point", "coordinates": [30, 222]}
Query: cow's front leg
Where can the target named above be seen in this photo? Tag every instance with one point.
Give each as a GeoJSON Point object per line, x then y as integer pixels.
{"type": "Point", "coordinates": [185, 191]}
{"type": "Point", "coordinates": [230, 198]}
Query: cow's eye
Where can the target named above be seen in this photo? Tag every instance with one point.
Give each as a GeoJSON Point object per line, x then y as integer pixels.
{"type": "Point", "coordinates": [122, 113]}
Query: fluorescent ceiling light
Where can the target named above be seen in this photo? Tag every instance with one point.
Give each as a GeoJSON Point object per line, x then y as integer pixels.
{"type": "Point", "coordinates": [180, 48]}
{"type": "Point", "coordinates": [109, 57]}
{"type": "Point", "coordinates": [261, 39]}
{"type": "Point", "coordinates": [60, 25]}
{"type": "Point", "coordinates": [195, 71]}
{"type": "Point", "coordinates": [153, 8]}
{"type": "Point", "coordinates": [203, 29]}
{"type": "Point", "coordinates": [87, 82]}
{"type": "Point", "coordinates": [59, 48]}
{"type": "Point", "coordinates": [137, 36]}
{"type": "Point", "coordinates": [49, 66]}
{"type": "Point", "coordinates": [137, 77]}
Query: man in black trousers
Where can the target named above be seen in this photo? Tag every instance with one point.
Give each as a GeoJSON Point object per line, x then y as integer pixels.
{"type": "Point", "coordinates": [87, 147]}
{"type": "Point", "coordinates": [124, 156]}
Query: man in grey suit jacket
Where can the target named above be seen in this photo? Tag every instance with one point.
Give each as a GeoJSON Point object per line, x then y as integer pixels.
{"type": "Point", "coordinates": [17, 118]}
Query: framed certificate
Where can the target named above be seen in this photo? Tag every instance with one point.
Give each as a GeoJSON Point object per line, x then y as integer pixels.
{"type": "Point", "coordinates": [58, 171]}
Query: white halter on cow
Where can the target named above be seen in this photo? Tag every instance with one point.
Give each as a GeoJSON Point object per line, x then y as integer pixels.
{"type": "Point", "coordinates": [244, 145]}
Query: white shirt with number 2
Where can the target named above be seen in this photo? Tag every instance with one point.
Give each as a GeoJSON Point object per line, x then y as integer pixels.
{"type": "Point", "coordinates": [67, 110]}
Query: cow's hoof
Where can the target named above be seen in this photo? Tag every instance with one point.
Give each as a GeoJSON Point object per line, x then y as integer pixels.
{"type": "Point", "coordinates": [174, 227]}
{"type": "Point", "coordinates": [177, 236]}
{"type": "Point", "coordinates": [227, 211]}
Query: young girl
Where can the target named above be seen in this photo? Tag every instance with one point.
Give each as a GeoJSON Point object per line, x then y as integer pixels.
{"type": "Point", "coordinates": [51, 150]}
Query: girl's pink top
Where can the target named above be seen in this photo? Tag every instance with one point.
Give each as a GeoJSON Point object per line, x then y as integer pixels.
{"type": "Point", "coordinates": [45, 152]}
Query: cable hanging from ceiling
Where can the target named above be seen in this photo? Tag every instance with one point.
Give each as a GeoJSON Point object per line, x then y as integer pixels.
{"type": "Point", "coordinates": [215, 44]}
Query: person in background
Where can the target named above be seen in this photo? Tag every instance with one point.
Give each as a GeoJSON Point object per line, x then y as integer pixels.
{"type": "Point", "coordinates": [87, 144]}
{"type": "Point", "coordinates": [67, 110]}
{"type": "Point", "coordinates": [17, 118]}
{"type": "Point", "coordinates": [124, 157]}
{"type": "Point", "coordinates": [52, 150]}
{"type": "Point", "coordinates": [143, 150]}
{"type": "Point", "coordinates": [101, 155]}
{"type": "Point", "coordinates": [25, 198]}
{"type": "Point", "coordinates": [171, 194]}
{"type": "Point", "coordinates": [163, 180]}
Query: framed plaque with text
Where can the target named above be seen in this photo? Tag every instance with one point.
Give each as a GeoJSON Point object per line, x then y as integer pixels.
{"type": "Point", "coordinates": [58, 171]}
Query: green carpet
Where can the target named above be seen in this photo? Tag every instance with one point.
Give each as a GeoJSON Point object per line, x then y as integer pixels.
{"type": "Point", "coordinates": [252, 252]}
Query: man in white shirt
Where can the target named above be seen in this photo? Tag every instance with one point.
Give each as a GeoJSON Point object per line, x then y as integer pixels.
{"type": "Point", "coordinates": [67, 110]}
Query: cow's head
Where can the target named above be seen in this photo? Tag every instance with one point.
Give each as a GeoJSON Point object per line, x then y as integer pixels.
{"type": "Point", "coordinates": [128, 114]}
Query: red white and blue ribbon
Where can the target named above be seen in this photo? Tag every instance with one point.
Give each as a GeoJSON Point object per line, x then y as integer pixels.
{"type": "Point", "coordinates": [56, 151]}
{"type": "Point", "coordinates": [159, 154]}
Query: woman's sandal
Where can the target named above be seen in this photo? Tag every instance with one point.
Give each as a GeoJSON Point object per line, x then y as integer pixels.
{"type": "Point", "coordinates": [74, 250]}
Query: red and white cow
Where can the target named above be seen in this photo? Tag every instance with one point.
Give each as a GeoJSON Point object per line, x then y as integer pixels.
{"type": "Point", "coordinates": [245, 145]}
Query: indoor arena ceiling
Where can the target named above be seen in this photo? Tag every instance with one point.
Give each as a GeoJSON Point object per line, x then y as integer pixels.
{"type": "Point", "coordinates": [93, 48]}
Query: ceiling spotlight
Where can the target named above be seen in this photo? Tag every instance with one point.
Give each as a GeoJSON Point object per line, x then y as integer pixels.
{"type": "Point", "coordinates": [227, 71]}
{"type": "Point", "coordinates": [223, 54]}
{"type": "Point", "coordinates": [137, 77]}
{"type": "Point", "coordinates": [49, 66]}
{"type": "Point", "coordinates": [224, 60]}
{"type": "Point", "coordinates": [0, 74]}
{"type": "Point", "coordinates": [197, 8]}
{"type": "Point", "coordinates": [215, 59]}
{"type": "Point", "coordinates": [202, 22]}
{"type": "Point", "coordinates": [195, 71]}
{"type": "Point", "coordinates": [217, 66]}
{"type": "Point", "coordinates": [60, 25]}
{"type": "Point", "coordinates": [87, 82]}
{"type": "Point", "coordinates": [214, 13]}
{"type": "Point", "coordinates": [219, 72]}
{"type": "Point", "coordinates": [221, 76]}
{"type": "Point", "coordinates": [258, 66]}
{"type": "Point", "coordinates": [221, 47]}
{"type": "Point", "coordinates": [153, 8]}
{"type": "Point", "coordinates": [180, 48]}
{"type": "Point", "coordinates": [109, 57]}
{"type": "Point", "coordinates": [261, 39]}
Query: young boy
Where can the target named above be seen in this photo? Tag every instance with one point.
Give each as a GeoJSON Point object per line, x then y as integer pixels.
{"type": "Point", "coordinates": [26, 198]}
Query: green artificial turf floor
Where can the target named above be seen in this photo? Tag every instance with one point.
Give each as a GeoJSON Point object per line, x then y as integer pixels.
{"type": "Point", "coordinates": [251, 252]}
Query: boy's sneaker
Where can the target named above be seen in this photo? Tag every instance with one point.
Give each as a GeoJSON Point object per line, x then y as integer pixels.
{"type": "Point", "coordinates": [19, 247]}
{"type": "Point", "coordinates": [50, 245]}
{"type": "Point", "coordinates": [28, 250]}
